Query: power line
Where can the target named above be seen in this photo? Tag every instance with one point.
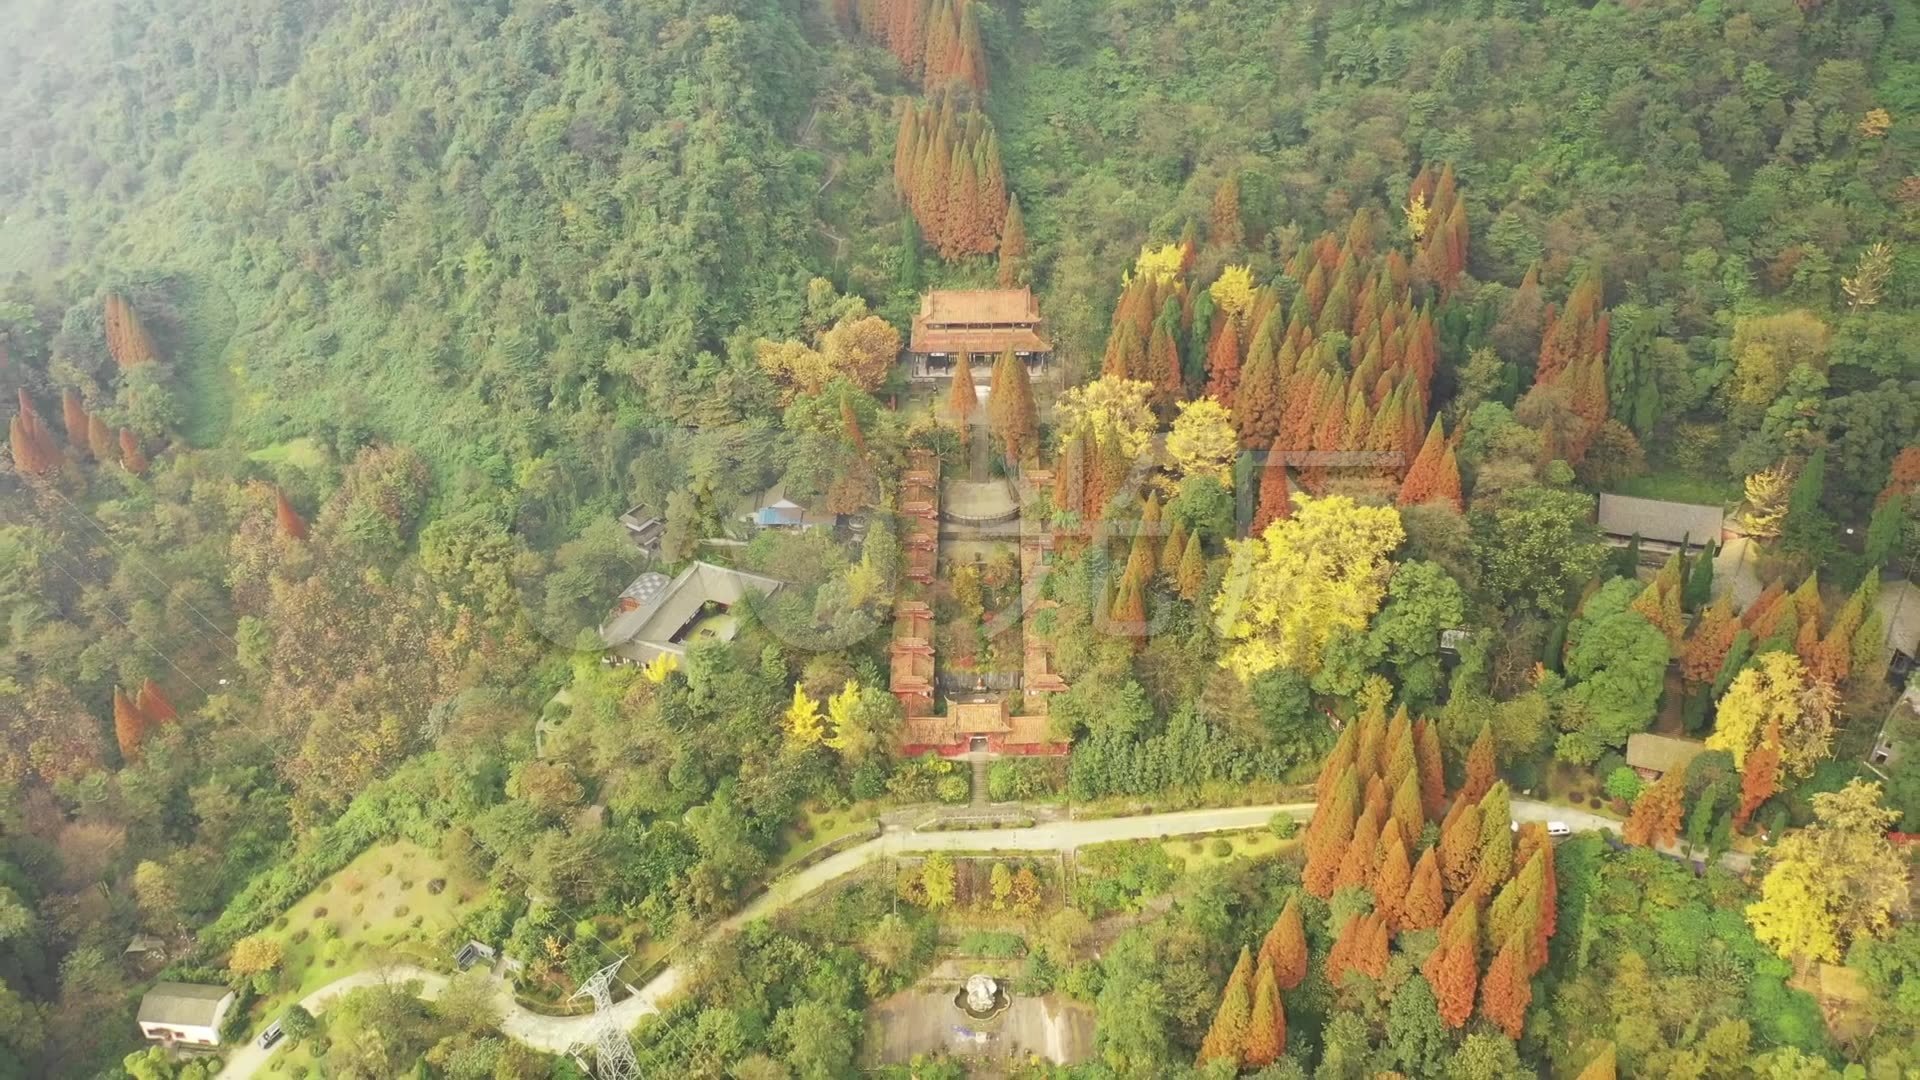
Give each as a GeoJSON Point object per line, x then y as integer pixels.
{"type": "Point", "coordinates": [126, 559]}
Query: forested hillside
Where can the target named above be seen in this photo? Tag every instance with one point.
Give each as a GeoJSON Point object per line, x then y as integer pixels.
{"type": "Point", "coordinates": [335, 337]}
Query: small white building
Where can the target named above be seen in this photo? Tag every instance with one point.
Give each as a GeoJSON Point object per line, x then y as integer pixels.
{"type": "Point", "coordinates": [184, 1014]}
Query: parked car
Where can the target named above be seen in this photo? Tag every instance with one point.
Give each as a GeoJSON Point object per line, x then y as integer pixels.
{"type": "Point", "coordinates": [1559, 828]}
{"type": "Point", "coordinates": [272, 1035]}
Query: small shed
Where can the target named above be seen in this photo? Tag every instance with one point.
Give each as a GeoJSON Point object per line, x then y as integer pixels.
{"type": "Point", "coordinates": [473, 952]}
{"type": "Point", "coordinates": [184, 1014]}
{"type": "Point", "coordinates": [1660, 523]}
{"type": "Point", "coordinates": [1653, 755]}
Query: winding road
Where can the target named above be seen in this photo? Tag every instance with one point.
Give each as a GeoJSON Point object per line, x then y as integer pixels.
{"type": "Point", "coordinates": [556, 1034]}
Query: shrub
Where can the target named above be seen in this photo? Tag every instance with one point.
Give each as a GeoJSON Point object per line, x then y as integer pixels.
{"type": "Point", "coordinates": [951, 789]}
{"type": "Point", "coordinates": [1284, 825]}
{"type": "Point", "coordinates": [1194, 847]}
{"type": "Point", "coordinates": [301, 935]}
{"type": "Point", "coordinates": [436, 886]}
{"type": "Point", "coordinates": [320, 912]}
{"type": "Point", "coordinates": [359, 908]}
{"type": "Point", "coordinates": [1222, 848]}
{"type": "Point", "coordinates": [401, 911]}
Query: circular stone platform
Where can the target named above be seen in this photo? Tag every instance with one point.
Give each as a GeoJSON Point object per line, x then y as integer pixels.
{"type": "Point", "coordinates": [968, 502]}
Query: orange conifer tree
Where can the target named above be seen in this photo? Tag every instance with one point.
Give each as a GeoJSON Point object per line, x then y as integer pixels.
{"type": "Point", "coordinates": [1392, 881]}
{"type": "Point", "coordinates": [1276, 502]}
{"type": "Point", "coordinates": [1706, 648]}
{"type": "Point", "coordinates": [74, 418]}
{"type": "Point", "coordinates": [33, 448]}
{"type": "Point", "coordinates": [1506, 993]}
{"type": "Point", "coordinates": [1223, 364]}
{"type": "Point", "coordinates": [100, 440]}
{"type": "Point", "coordinates": [1423, 476]}
{"type": "Point", "coordinates": [1453, 972]}
{"type": "Point", "coordinates": [130, 455]}
{"type": "Point", "coordinates": [1655, 818]}
{"type": "Point", "coordinates": [154, 707]}
{"type": "Point", "coordinates": [292, 525]}
{"type": "Point", "coordinates": [128, 341]}
{"type": "Point", "coordinates": [1482, 766]}
{"type": "Point", "coordinates": [1284, 949]}
{"type": "Point", "coordinates": [129, 726]}
{"type": "Point", "coordinates": [1226, 1039]}
{"type": "Point", "coordinates": [1760, 780]}
{"type": "Point", "coordinates": [1425, 905]}
{"type": "Point", "coordinates": [1267, 1028]}
{"type": "Point", "coordinates": [1358, 863]}
{"type": "Point", "coordinates": [1460, 848]}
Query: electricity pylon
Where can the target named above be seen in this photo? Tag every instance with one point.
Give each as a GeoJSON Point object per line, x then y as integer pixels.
{"type": "Point", "coordinates": [613, 1052]}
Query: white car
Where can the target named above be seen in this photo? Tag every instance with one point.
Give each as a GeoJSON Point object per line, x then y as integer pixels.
{"type": "Point", "coordinates": [1554, 828]}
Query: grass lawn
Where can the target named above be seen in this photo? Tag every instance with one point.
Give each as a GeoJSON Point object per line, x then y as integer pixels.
{"type": "Point", "coordinates": [302, 453]}
{"type": "Point", "coordinates": [1676, 486]}
{"type": "Point", "coordinates": [377, 905]}
{"type": "Point", "coordinates": [1197, 854]}
{"type": "Point", "coordinates": [821, 827]}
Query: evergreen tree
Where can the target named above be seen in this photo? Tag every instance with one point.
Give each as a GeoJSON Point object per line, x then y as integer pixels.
{"type": "Point", "coordinates": [1010, 407]}
{"type": "Point", "coordinates": [1276, 502]}
{"type": "Point", "coordinates": [1699, 587]}
{"type": "Point", "coordinates": [1406, 809]}
{"type": "Point", "coordinates": [1193, 570]}
{"type": "Point", "coordinates": [1224, 230]}
{"type": "Point", "coordinates": [1013, 248]}
{"type": "Point", "coordinates": [1433, 783]}
{"type": "Point", "coordinates": [1481, 766]}
{"type": "Point", "coordinates": [1175, 548]}
{"type": "Point", "coordinates": [961, 395]}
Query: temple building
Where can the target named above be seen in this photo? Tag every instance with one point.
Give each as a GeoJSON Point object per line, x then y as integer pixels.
{"type": "Point", "coordinates": [979, 323]}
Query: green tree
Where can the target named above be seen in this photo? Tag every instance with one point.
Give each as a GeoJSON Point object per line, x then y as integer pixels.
{"type": "Point", "coordinates": [938, 878]}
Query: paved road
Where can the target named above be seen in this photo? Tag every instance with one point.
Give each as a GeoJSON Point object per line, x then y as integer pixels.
{"type": "Point", "coordinates": [555, 1034]}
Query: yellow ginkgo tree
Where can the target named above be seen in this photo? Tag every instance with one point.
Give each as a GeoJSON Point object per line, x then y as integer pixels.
{"type": "Point", "coordinates": [1776, 690]}
{"type": "Point", "coordinates": [1833, 882]}
{"type": "Point", "coordinates": [660, 667]}
{"type": "Point", "coordinates": [1287, 592]}
{"type": "Point", "coordinates": [802, 720]}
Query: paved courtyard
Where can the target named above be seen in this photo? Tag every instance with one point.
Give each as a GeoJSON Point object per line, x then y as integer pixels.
{"type": "Point", "coordinates": [924, 1021]}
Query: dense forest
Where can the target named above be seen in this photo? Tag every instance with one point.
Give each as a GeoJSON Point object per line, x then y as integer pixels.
{"type": "Point", "coordinates": [335, 339]}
